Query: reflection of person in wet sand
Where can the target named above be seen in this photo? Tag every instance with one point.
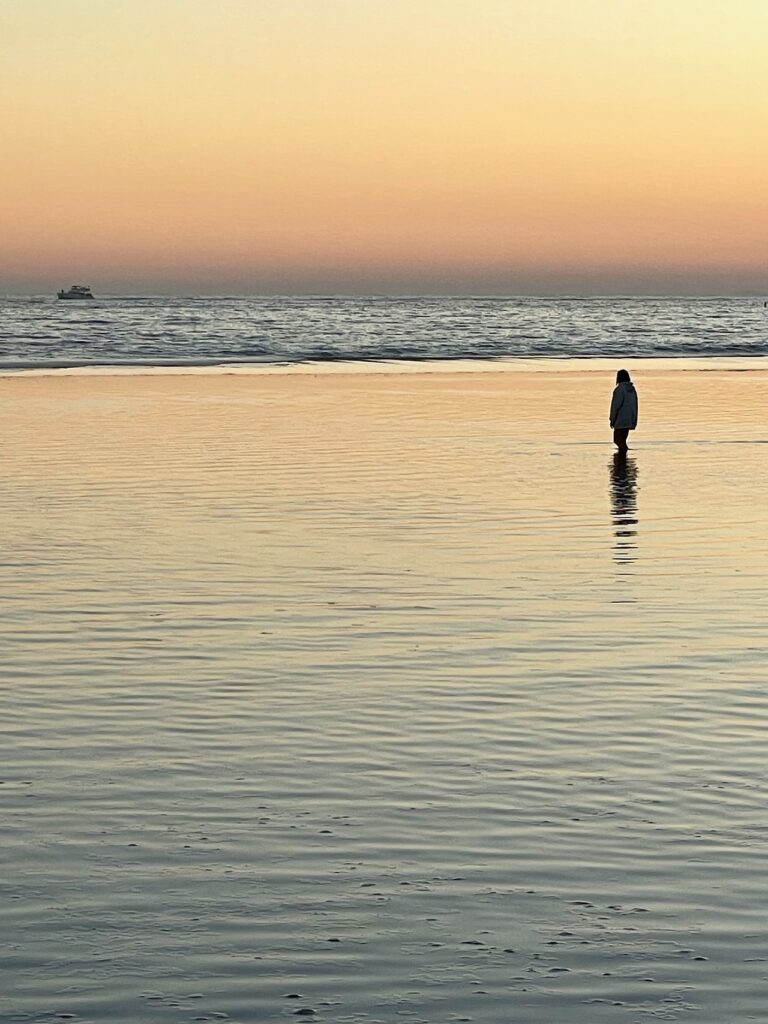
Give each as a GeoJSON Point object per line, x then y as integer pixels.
{"type": "Point", "coordinates": [624, 505]}
{"type": "Point", "coordinates": [623, 409]}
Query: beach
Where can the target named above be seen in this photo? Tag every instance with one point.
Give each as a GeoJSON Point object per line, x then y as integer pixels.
{"type": "Point", "coordinates": [384, 696]}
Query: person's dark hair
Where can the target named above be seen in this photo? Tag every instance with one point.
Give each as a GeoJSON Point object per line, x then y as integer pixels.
{"type": "Point", "coordinates": [622, 377]}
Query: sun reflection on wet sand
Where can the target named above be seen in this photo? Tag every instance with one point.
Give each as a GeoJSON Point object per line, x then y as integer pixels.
{"type": "Point", "coordinates": [317, 678]}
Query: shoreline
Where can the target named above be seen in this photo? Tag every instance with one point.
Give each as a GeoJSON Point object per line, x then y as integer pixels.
{"type": "Point", "coordinates": [551, 364]}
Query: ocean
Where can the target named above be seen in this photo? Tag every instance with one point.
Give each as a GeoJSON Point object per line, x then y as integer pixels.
{"type": "Point", "coordinates": [41, 332]}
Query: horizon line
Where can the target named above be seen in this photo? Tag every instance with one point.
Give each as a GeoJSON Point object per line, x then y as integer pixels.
{"type": "Point", "coordinates": [747, 294]}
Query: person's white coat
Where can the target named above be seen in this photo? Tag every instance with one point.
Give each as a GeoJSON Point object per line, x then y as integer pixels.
{"type": "Point", "coordinates": [624, 406]}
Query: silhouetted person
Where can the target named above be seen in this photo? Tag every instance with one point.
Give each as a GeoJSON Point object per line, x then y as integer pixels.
{"type": "Point", "coordinates": [623, 409]}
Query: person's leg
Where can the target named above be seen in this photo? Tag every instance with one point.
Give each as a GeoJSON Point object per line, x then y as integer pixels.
{"type": "Point", "coordinates": [620, 439]}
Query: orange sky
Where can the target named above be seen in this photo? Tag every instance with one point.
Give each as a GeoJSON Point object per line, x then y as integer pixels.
{"type": "Point", "coordinates": [384, 145]}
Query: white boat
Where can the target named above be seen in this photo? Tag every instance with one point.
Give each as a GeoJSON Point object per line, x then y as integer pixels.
{"type": "Point", "coordinates": [76, 291]}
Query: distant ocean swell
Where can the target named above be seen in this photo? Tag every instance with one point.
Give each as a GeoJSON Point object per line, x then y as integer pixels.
{"type": "Point", "coordinates": [41, 332]}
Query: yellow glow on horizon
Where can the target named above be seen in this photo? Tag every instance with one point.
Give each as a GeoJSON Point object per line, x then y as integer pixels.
{"type": "Point", "coordinates": [291, 136]}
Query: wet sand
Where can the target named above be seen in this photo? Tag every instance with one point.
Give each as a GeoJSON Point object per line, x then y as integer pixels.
{"type": "Point", "coordinates": [383, 696]}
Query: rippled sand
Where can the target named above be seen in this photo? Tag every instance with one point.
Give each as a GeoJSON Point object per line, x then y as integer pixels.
{"type": "Point", "coordinates": [383, 697]}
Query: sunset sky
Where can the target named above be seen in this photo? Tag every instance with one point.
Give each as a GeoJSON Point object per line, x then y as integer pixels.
{"type": "Point", "coordinates": [465, 146]}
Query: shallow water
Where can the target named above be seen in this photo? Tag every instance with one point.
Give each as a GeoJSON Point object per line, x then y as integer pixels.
{"type": "Point", "coordinates": [389, 698]}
